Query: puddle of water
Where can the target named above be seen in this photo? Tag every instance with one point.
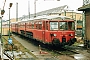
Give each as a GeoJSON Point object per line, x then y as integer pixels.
{"type": "Point", "coordinates": [79, 56]}
{"type": "Point", "coordinates": [81, 45]}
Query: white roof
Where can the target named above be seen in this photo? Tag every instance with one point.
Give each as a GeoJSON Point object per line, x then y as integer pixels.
{"type": "Point", "coordinates": [52, 17]}
{"type": "Point", "coordinates": [40, 17]}
{"type": "Point", "coordinates": [14, 22]}
{"type": "Point", "coordinates": [57, 16]}
{"type": "Point", "coordinates": [24, 20]}
{"type": "Point", "coordinates": [30, 19]}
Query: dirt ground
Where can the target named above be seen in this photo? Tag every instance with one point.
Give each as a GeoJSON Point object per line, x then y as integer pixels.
{"type": "Point", "coordinates": [16, 45]}
{"type": "Point", "coordinates": [19, 47]}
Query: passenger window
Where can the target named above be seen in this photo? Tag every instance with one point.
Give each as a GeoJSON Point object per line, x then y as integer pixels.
{"type": "Point", "coordinates": [46, 25]}
{"type": "Point", "coordinates": [40, 25]}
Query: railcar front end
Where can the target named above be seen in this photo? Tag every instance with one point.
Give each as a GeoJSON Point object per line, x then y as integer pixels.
{"type": "Point", "coordinates": [61, 33]}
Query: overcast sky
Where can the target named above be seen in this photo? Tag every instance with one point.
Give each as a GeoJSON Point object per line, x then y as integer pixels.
{"type": "Point", "coordinates": [41, 5]}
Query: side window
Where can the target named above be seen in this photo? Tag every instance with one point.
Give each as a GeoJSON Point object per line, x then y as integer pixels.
{"type": "Point", "coordinates": [71, 26]}
{"type": "Point", "coordinates": [40, 25]}
{"type": "Point", "coordinates": [33, 25]}
{"type": "Point", "coordinates": [30, 25]}
{"type": "Point", "coordinates": [46, 25]}
{"type": "Point", "coordinates": [36, 25]}
{"type": "Point", "coordinates": [43, 25]}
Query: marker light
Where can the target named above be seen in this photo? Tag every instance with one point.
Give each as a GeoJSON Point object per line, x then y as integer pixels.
{"type": "Point", "coordinates": [54, 34]}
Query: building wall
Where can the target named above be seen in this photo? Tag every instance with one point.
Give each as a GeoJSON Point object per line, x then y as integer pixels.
{"type": "Point", "coordinates": [5, 30]}
{"type": "Point", "coordinates": [14, 20]}
{"type": "Point", "coordinates": [87, 27]}
{"type": "Point", "coordinates": [74, 15]}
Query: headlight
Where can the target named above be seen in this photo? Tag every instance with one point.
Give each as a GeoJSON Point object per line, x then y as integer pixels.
{"type": "Point", "coordinates": [71, 34]}
{"type": "Point", "coordinates": [54, 34]}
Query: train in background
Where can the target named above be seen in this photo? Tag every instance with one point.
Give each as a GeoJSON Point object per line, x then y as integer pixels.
{"type": "Point", "coordinates": [53, 30]}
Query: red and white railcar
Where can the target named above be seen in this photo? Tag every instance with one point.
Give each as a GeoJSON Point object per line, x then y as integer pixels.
{"type": "Point", "coordinates": [14, 27]}
{"type": "Point", "coordinates": [54, 30]}
{"type": "Point", "coordinates": [22, 27]}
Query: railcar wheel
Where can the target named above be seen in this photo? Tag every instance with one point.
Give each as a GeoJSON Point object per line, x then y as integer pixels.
{"type": "Point", "coordinates": [74, 40]}
{"type": "Point", "coordinates": [56, 42]}
{"type": "Point", "coordinates": [70, 43]}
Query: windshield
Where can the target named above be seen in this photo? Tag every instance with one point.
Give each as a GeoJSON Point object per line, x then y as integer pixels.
{"type": "Point", "coordinates": [53, 25]}
{"type": "Point", "coordinates": [66, 26]}
{"type": "Point", "coordinates": [62, 26]}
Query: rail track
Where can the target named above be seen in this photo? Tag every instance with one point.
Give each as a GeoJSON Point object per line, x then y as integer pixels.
{"type": "Point", "coordinates": [67, 51]}
{"type": "Point", "coordinates": [50, 48]}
